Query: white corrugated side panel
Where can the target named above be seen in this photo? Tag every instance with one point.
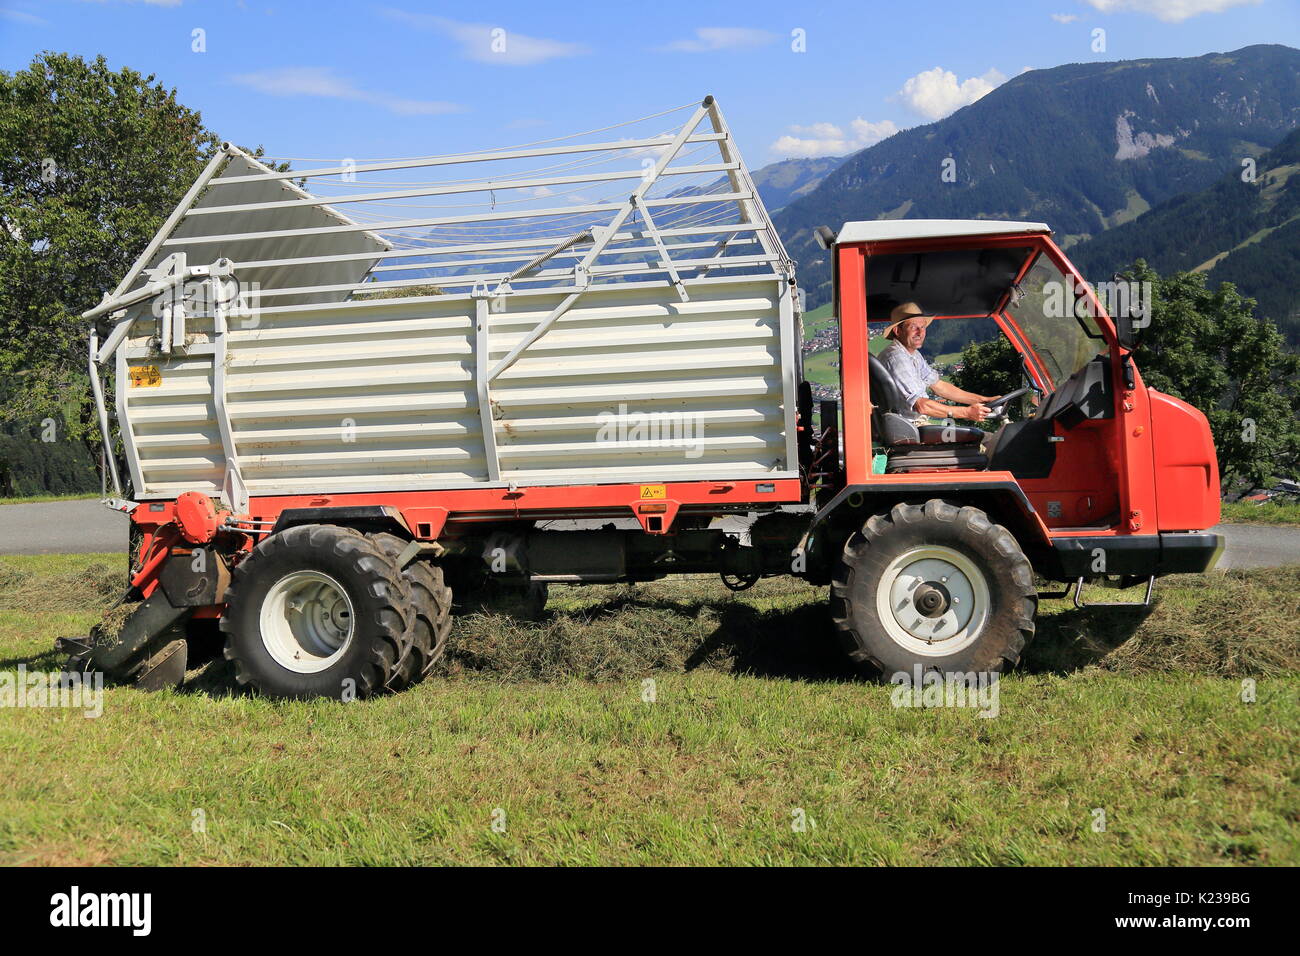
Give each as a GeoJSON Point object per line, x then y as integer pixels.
{"type": "Point", "coordinates": [380, 396]}
{"type": "Point", "coordinates": [630, 385]}
{"type": "Point", "coordinates": [634, 385]}
{"type": "Point", "coordinates": [174, 426]}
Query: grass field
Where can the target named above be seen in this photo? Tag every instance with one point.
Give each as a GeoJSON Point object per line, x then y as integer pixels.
{"type": "Point", "coordinates": [755, 717]}
{"type": "Point", "coordinates": [1270, 512]}
{"type": "Point", "coordinates": [34, 499]}
{"type": "Point", "coordinates": [818, 319]}
{"type": "Point", "coordinates": [822, 368]}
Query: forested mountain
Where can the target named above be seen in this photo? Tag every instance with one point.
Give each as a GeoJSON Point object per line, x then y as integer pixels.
{"type": "Point", "coordinates": [781, 183]}
{"type": "Point", "coordinates": [1083, 147]}
{"type": "Point", "coordinates": [1244, 229]}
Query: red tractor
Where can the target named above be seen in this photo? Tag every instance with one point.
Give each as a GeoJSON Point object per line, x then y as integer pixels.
{"type": "Point", "coordinates": [933, 560]}
{"type": "Point", "coordinates": [318, 480]}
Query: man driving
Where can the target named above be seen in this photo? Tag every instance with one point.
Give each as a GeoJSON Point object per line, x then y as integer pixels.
{"type": "Point", "coordinates": [915, 375]}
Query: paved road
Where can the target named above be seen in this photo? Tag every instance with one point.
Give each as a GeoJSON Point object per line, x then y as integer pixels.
{"type": "Point", "coordinates": [76, 527]}
{"type": "Point", "coordinates": [61, 527]}
{"type": "Point", "coordinates": [1259, 546]}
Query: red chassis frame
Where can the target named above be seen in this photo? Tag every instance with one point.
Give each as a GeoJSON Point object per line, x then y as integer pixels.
{"type": "Point", "coordinates": [430, 514]}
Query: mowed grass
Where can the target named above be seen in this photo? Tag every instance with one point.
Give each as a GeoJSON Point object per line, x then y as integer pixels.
{"type": "Point", "coordinates": [542, 726]}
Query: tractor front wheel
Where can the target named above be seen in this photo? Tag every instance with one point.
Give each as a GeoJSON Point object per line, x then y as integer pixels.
{"type": "Point", "coordinates": [936, 586]}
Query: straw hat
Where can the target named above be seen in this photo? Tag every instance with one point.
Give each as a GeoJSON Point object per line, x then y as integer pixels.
{"type": "Point", "coordinates": [901, 313]}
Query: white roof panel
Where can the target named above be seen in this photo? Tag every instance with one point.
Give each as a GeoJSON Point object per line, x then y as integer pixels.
{"type": "Point", "coordinates": [243, 223]}
{"type": "Point", "coordinates": [882, 230]}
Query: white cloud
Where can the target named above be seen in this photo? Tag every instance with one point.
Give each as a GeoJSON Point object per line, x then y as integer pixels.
{"type": "Point", "coordinates": [489, 43]}
{"type": "Point", "coordinates": [1170, 11]}
{"type": "Point", "coordinates": [321, 81]}
{"type": "Point", "coordinates": [709, 39]}
{"type": "Point", "coordinates": [18, 16]}
{"type": "Point", "coordinates": [541, 192]}
{"type": "Point", "coordinates": [936, 93]}
{"type": "Point", "coordinates": [827, 139]}
{"type": "Point", "coordinates": [1065, 17]}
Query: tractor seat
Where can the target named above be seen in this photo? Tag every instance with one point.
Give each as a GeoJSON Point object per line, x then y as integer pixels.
{"type": "Point", "coordinates": [949, 434]}
{"type": "Point", "coordinates": [917, 448]}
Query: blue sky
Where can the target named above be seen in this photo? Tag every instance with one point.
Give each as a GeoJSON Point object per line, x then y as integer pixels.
{"type": "Point", "coordinates": [333, 79]}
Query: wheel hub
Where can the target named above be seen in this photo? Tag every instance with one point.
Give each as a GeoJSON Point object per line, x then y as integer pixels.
{"type": "Point", "coordinates": [933, 600]}
{"type": "Point", "coordinates": [307, 621]}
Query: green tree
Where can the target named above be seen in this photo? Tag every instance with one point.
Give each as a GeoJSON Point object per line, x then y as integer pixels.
{"type": "Point", "coordinates": [1207, 347]}
{"type": "Point", "coordinates": [91, 162]}
{"type": "Point", "coordinates": [989, 368]}
{"type": "Point", "coordinates": [37, 458]}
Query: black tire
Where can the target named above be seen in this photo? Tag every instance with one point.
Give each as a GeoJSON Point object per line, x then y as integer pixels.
{"type": "Point", "coordinates": [431, 600]}
{"type": "Point", "coordinates": [878, 556]}
{"type": "Point", "coordinates": [382, 613]}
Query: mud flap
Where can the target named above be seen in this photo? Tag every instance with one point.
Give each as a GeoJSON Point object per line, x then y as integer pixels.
{"type": "Point", "coordinates": [166, 668]}
{"type": "Point", "coordinates": [149, 650]}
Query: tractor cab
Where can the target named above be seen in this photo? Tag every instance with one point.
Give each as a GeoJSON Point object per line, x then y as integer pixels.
{"type": "Point", "coordinates": [1075, 432]}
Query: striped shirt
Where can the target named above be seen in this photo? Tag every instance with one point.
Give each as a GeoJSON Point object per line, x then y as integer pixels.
{"type": "Point", "coordinates": [911, 371]}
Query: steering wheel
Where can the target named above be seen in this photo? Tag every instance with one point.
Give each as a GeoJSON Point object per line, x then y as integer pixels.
{"type": "Point", "coordinates": [1001, 403]}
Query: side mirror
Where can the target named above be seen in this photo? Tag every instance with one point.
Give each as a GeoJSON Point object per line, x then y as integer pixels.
{"type": "Point", "coordinates": [1131, 311]}
{"type": "Point", "coordinates": [825, 238]}
{"type": "Point", "coordinates": [1129, 329]}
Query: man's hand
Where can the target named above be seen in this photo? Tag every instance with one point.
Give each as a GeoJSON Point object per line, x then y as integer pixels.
{"type": "Point", "coordinates": [975, 412]}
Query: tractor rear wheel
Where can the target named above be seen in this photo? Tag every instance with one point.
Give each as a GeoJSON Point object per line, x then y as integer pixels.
{"type": "Point", "coordinates": [317, 611]}
{"type": "Point", "coordinates": [431, 601]}
{"type": "Point", "coordinates": [935, 585]}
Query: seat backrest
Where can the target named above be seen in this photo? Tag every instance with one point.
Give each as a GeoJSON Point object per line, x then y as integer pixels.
{"type": "Point", "coordinates": [886, 394]}
{"type": "Point", "coordinates": [891, 416]}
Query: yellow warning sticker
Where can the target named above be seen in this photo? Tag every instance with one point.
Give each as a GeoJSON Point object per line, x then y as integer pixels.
{"type": "Point", "coordinates": [654, 491]}
{"type": "Point", "coordinates": [145, 376]}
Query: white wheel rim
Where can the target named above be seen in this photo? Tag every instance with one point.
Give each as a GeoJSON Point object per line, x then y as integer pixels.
{"type": "Point", "coordinates": [933, 601]}
{"type": "Point", "coordinates": [307, 621]}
